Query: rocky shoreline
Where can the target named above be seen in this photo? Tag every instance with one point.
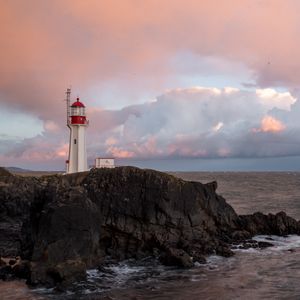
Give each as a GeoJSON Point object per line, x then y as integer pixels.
{"type": "Point", "coordinates": [58, 226]}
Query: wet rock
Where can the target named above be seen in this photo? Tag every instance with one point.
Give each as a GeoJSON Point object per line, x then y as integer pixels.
{"type": "Point", "coordinates": [241, 235]}
{"type": "Point", "coordinates": [60, 274]}
{"type": "Point", "coordinates": [22, 270]}
{"type": "Point", "coordinates": [2, 262]}
{"type": "Point", "coordinates": [263, 245]}
{"type": "Point", "coordinates": [251, 244]}
{"type": "Point", "coordinates": [12, 262]}
{"type": "Point", "coordinates": [67, 272]}
{"type": "Point", "coordinates": [198, 257]}
{"type": "Point", "coordinates": [224, 250]}
{"type": "Point", "coordinates": [38, 275]}
{"type": "Point", "coordinates": [6, 272]}
{"type": "Point", "coordinates": [106, 272]}
{"type": "Point", "coordinates": [176, 257]}
{"type": "Point", "coordinates": [279, 224]}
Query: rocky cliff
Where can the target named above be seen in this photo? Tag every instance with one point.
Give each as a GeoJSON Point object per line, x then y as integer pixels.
{"type": "Point", "coordinates": [61, 225]}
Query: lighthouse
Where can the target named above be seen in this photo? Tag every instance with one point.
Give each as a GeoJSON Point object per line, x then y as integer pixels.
{"type": "Point", "coordinates": [77, 123]}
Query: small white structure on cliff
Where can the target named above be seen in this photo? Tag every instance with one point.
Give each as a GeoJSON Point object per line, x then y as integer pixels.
{"type": "Point", "coordinates": [104, 162]}
{"type": "Point", "coordinates": [77, 123]}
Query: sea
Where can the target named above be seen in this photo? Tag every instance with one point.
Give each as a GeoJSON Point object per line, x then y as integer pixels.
{"type": "Point", "coordinates": [270, 273]}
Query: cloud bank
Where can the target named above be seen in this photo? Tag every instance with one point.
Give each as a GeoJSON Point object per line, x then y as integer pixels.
{"type": "Point", "coordinates": [205, 122]}
{"type": "Point", "coordinates": [195, 122]}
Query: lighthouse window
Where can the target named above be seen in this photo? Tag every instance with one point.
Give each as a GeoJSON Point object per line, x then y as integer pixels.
{"type": "Point", "coordinates": [74, 141]}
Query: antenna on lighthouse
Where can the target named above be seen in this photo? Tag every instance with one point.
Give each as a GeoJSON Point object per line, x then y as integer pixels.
{"type": "Point", "coordinates": [68, 99]}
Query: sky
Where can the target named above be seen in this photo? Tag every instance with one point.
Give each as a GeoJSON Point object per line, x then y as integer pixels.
{"type": "Point", "coordinates": [171, 85]}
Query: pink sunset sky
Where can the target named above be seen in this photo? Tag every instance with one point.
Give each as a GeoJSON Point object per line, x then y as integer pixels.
{"type": "Point", "coordinates": [164, 80]}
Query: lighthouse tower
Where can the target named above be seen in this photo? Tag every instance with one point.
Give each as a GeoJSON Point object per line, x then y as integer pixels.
{"type": "Point", "coordinates": [77, 122]}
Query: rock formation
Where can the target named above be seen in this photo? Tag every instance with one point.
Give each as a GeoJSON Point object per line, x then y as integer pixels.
{"type": "Point", "coordinates": [61, 225]}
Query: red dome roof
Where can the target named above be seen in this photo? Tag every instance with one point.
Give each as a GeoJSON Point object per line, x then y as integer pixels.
{"type": "Point", "coordinates": [77, 103]}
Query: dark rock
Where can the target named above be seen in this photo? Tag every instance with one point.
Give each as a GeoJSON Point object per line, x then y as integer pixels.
{"type": "Point", "coordinates": [69, 271]}
{"type": "Point", "coordinates": [241, 235]}
{"type": "Point", "coordinates": [264, 245]}
{"type": "Point", "coordinates": [224, 250]}
{"type": "Point", "coordinates": [198, 257]}
{"type": "Point", "coordinates": [251, 244]}
{"type": "Point", "coordinates": [22, 270]}
{"type": "Point", "coordinates": [12, 262]}
{"type": "Point", "coordinates": [106, 271]}
{"type": "Point", "coordinates": [2, 262]}
{"type": "Point", "coordinates": [6, 272]}
{"type": "Point", "coordinates": [279, 224]}
{"type": "Point", "coordinates": [65, 224]}
{"type": "Point", "coordinates": [291, 250]}
{"type": "Point", "coordinates": [18, 198]}
{"type": "Point", "coordinates": [68, 229]}
{"type": "Point", "coordinates": [176, 257]}
{"type": "Point", "coordinates": [60, 274]}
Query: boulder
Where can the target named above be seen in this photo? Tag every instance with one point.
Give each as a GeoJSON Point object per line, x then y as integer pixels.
{"type": "Point", "coordinates": [22, 269]}
{"type": "Point", "coordinates": [176, 257]}
{"type": "Point", "coordinates": [279, 224]}
{"type": "Point", "coordinates": [60, 274]}
{"type": "Point", "coordinates": [2, 262]}
{"type": "Point", "coordinates": [69, 271]}
{"type": "Point", "coordinates": [263, 245]}
{"type": "Point", "coordinates": [6, 272]}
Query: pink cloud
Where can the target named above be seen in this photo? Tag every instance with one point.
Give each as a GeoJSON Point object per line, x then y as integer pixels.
{"type": "Point", "coordinates": [270, 124]}
{"type": "Point", "coordinates": [62, 42]}
{"type": "Point", "coordinates": [119, 153]}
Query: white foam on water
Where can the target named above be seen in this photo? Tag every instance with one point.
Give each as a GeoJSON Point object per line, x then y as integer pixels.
{"type": "Point", "coordinates": [127, 273]}
{"type": "Point", "coordinates": [113, 276]}
{"type": "Point", "coordinates": [42, 290]}
{"type": "Point", "coordinates": [92, 273]}
{"type": "Point", "coordinates": [290, 242]}
{"type": "Point", "coordinates": [124, 269]}
{"type": "Point", "coordinates": [280, 243]}
{"type": "Point", "coordinates": [248, 250]}
{"type": "Point", "coordinates": [212, 262]}
{"type": "Point", "coordinates": [197, 277]}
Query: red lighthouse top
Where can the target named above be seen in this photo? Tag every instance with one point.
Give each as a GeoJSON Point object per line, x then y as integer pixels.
{"type": "Point", "coordinates": [78, 113]}
{"type": "Point", "coordinates": [77, 103]}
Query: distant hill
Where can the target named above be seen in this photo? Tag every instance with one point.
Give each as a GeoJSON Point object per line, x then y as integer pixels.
{"type": "Point", "coordinates": [17, 170]}
{"type": "Point", "coordinates": [25, 172]}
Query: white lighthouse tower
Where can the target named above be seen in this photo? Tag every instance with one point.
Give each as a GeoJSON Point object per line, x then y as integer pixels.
{"type": "Point", "coordinates": [77, 122]}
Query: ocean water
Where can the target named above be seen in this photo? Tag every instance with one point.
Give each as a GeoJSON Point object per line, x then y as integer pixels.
{"type": "Point", "coordinates": [271, 273]}
{"type": "Point", "coordinates": [249, 192]}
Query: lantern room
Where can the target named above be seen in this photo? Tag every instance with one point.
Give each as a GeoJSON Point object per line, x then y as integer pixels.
{"type": "Point", "coordinates": [78, 113]}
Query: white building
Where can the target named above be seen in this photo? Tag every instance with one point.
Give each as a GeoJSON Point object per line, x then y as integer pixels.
{"type": "Point", "coordinates": [104, 162]}
{"type": "Point", "coordinates": [77, 122]}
